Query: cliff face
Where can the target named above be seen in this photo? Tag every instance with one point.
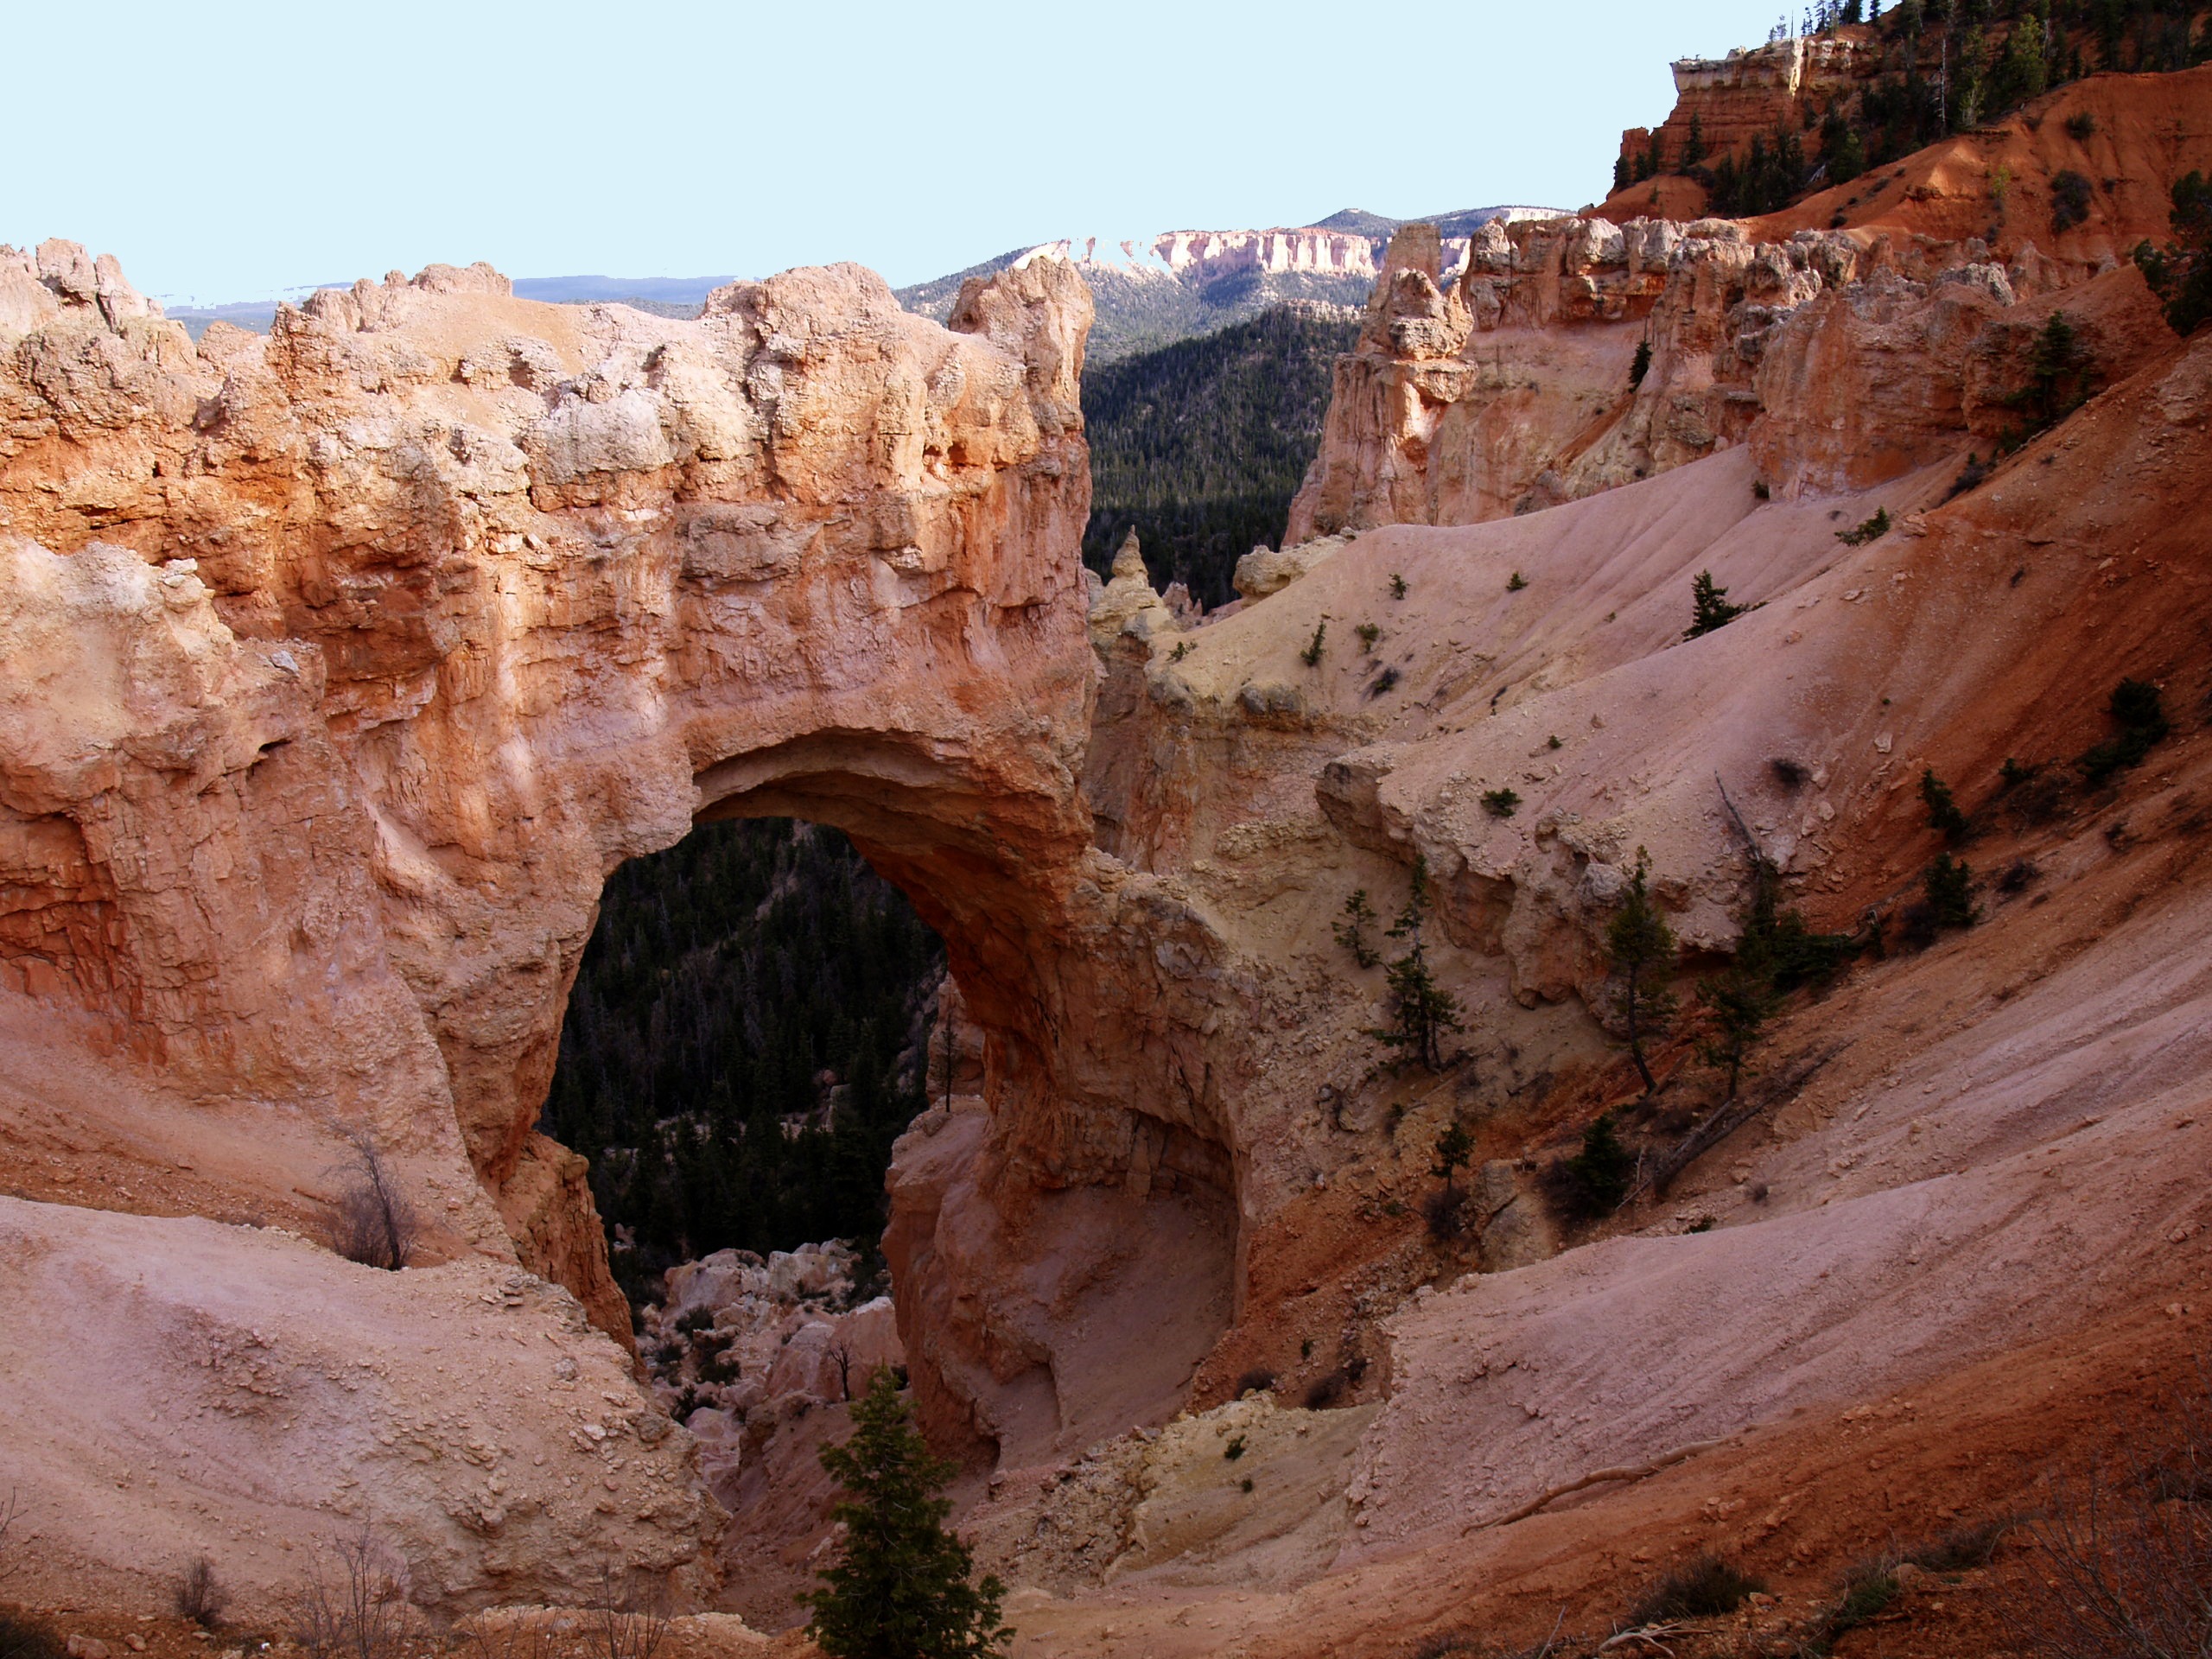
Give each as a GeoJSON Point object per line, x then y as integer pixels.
{"type": "Point", "coordinates": [1759, 91]}
{"type": "Point", "coordinates": [1504, 385]}
{"type": "Point", "coordinates": [344, 664]}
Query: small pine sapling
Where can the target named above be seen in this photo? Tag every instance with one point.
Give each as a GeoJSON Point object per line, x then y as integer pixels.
{"type": "Point", "coordinates": [2137, 709]}
{"type": "Point", "coordinates": [2059, 369]}
{"type": "Point", "coordinates": [1397, 587]}
{"type": "Point", "coordinates": [1368, 633]}
{"type": "Point", "coordinates": [1501, 803]}
{"type": "Point", "coordinates": [900, 1587]}
{"type": "Point", "coordinates": [1516, 582]}
{"type": "Point", "coordinates": [1738, 1004]}
{"type": "Point", "coordinates": [1943, 814]}
{"type": "Point", "coordinates": [1640, 948]}
{"type": "Point", "coordinates": [1351, 932]}
{"type": "Point", "coordinates": [1949, 884]}
{"type": "Point", "coordinates": [1709, 606]}
{"type": "Point", "coordinates": [1871, 529]}
{"type": "Point", "coordinates": [1312, 654]}
{"type": "Point", "coordinates": [1603, 1168]}
{"type": "Point", "coordinates": [1420, 1010]}
{"type": "Point", "coordinates": [1454, 1148]}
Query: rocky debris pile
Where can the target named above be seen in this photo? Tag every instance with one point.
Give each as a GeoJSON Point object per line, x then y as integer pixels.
{"type": "Point", "coordinates": [741, 1346]}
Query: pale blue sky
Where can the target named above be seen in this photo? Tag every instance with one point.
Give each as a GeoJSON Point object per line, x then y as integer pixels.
{"type": "Point", "coordinates": [226, 150]}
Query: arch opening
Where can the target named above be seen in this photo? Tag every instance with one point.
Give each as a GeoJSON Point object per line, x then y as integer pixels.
{"type": "Point", "coordinates": [1053, 1175]}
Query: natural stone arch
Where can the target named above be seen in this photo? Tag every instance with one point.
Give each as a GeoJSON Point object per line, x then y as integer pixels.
{"type": "Point", "coordinates": [487, 596]}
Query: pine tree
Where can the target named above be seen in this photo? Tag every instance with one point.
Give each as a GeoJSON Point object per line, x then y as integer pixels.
{"type": "Point", "coordinates": [1641, 365]}
{"type": "Point", "coordinates": [1949, 884]}
{"type": "Point", "coordinates": [1420, 1010]}
{"type": "Point", "coordinates": [1639, 943]}
{"type": "Point", "coordinates": [2059, 366]}
{"type": "Point", "coordinates": [900, 1588]}
{"type": "Point", "coordinates": [1943, 813]}
{"type": "Point", "coordinates": [1709, 606]}
{"type": "Point", "coordinates": [1738, 1003]}
{"type": "Point", "coordinates": [1604, 1166]}
{"type": "Point", "coordinates": [1351, 932]}
{"type": "Point", "coordinates": [1454, 1147]}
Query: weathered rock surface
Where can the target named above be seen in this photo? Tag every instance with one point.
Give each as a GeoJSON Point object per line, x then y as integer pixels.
{"type": "Point", "coordinates": [349, 660]}
{"type": "Point", "coordinates": [1184, 1174]}
{"type": "Point", "coordinates": [177, 1387]}
{"type": "Point", "coordinates": [1845, 357]}
{"type": "Point", "coordinates": [345, 663]}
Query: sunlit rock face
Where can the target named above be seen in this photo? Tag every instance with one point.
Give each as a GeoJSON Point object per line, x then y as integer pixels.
{"type": "Point", "coordinates": [346, 662]}
{"type": "Point", "coordinates": [350, 659]}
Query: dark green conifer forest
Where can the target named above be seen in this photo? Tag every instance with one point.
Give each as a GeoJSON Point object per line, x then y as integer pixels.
{"type": "Point", "coordinates": [726, 975]}
{"type": "Point", "coordinates": [1201, 445]}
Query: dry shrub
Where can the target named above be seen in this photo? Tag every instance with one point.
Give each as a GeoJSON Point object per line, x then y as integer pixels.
{"type": "Point", "coordinates": [1327, 1389]}
{"type": "Point", "coordinates": [11, 1522]}
{"type": "Point", "coordinates": [373, 1224]}
{"type": "Point", "coordinates": [1704, 1587]}
{"type": "Point", "coordinates": [354, 1604]}
{"type": "Point", "coordinates": [23, 1635]}
{"type": "Point", "coordinates": [510, 1636]}
{"type": "Point", "coordinates": [2120, 1566]}
{"type": "Point", "coordinates": [1446, 1215]}
{"type": "Point", "coordinates": [1868, 1588]}
{"type": "Point", "coordinates": [1960, 1548]}
{"type": "Point", "coordinates": [625, 1619]}
{"type": "Point", "coordinates": [199, 1595]}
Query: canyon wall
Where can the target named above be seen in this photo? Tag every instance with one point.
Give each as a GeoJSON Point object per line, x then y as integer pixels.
{"type": "Point", "coordinates": [344, 664]}
{"type": "Point", "coordinates": [1976, 1155]}
{"type": "Point", "coordinates": [1511, 381]}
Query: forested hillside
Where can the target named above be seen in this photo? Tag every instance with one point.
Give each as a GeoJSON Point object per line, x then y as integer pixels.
{"type": "Point", "coordinates": [731, 1063]}
{"type": "Point", "coordinates": [1201, 445]}
{"type": "Point", "coordinates": [1946, 66]}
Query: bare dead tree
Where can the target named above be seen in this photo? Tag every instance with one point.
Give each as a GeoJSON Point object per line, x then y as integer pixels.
{"type": "Point", "coordinates": [626, 1620]}
{"type": "Point", "coordinates": [354, 1604]}
{"type": "Point", "coordinates": [949, 1064]}
{"type": "Point", "coordinates": [841, 1356]}
{"type": "Point", "coordinates": [373, 1224]}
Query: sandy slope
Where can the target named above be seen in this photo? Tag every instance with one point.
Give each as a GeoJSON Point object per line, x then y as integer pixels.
{"type": "Point", "coordinates": [1969, 1224]}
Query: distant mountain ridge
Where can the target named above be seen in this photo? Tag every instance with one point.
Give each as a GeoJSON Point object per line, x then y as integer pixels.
{"type": "Point", "coordinates": [1158, 289]}
{"type": "Point", "coordinates": [1176, 284]}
